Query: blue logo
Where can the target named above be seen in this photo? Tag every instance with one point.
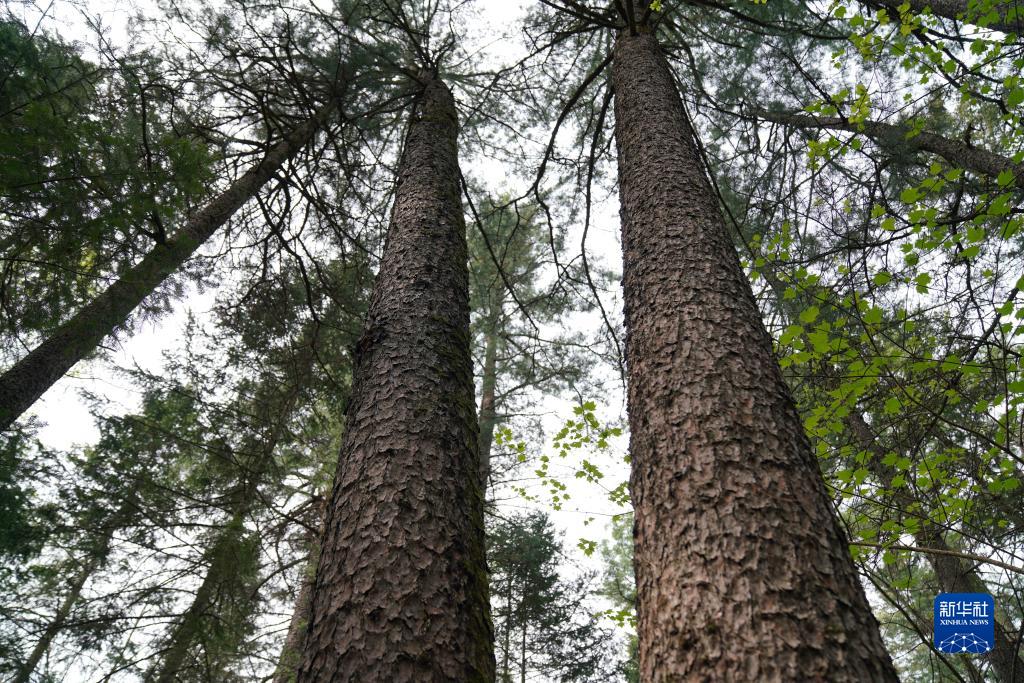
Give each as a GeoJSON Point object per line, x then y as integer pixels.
{"type": "Point", "coordinates": [964, 623]}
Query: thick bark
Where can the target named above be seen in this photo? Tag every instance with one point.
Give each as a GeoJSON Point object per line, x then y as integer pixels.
{"type": "Point", "coordinates": [742, 570]}
{"type": "Point", "coordinates": [954, 574]}
{"type": "Point", "coordinates": [488, 416]}
{"type": "Point", "coordinates": [401, 586]}
{"type": "Point", "coordinates": [955, 152]}
{"type": "Point", "coordinates": [79, 336]}
{"type": "Point", "coordinates": [63, 612]}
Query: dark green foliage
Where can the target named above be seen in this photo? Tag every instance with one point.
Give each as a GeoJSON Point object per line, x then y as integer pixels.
{"type": "Point", "coordinates": [97, 163]}
{"type": "Point", "coordinates": [543, 625]}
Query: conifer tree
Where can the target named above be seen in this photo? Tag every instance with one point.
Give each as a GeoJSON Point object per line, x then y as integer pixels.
{"type": "Point", "coordinates": [401, 591]}
{"type": "Point", "coordinates": [724, 480]}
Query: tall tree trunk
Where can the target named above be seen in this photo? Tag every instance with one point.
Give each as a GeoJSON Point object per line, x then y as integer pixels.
{"type": "Point", "coordinates": [954, 574]}
{"type": "Point", "coordinates": [282, 403]}
{"type": "Point", "coordinates": [488, 416]}
{"type": "Point", "coordinates": [79, 336]}
{"type": "Point", "coordinates": [742, 570]}
{"type": "Point", "coordinates": [506, 674]}
{"type": "Point", "coordinates": [522, 655]}
{"type": "Point", "coordinates": [220, 572]}
{"type": "Point", "coordinates": [288, 662]}
{"type": "Point", "coordinates": [63, 612]}
{"type": "Point", "coordinates": [291, 652]}
{"type": "Point", "coordinates": [401, 587]}
{"type": "Point", "coordinates": [956, 152]}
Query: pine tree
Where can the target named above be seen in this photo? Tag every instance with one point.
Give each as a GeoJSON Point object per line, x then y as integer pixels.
{"type": "Point", "coordinates": [724, 480]}
{"type": "Point", "coordinates": [30, 377]}
{"type": "Point", "coordinates": [401, 592]}
{"type": "Point", "coordinates": [542, 623]}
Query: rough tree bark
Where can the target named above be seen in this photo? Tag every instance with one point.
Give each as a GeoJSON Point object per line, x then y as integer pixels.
{"type": "Point", "coordinates": [79, 336]}
{"type": "Point", "coordinates": [742, 570]}
{"type": "Point", "coordinates": [401, 587]}
{"type": "Point", "coordinates": [955, 575]}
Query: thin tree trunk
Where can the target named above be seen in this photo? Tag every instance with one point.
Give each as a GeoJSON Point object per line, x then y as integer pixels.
{"type": "Point", "coordinates": [63, 612]}
{"type": "Point", "coordinates": [79, 336]}
{"type": "Point", "coordinates": [401, 587]}
{"type": "Point", "coordinates": [956, 152]}
{"type": "Point", "coordinates": [742, 570]}
{"type": "Point", "coordinates": [954, 574]}
{"type": "Point", "coordinates": [488, 417]}
{"type": "Point", "coordinates": [506, 674]}
{"type": "Point", "coordinates": [522, 655]}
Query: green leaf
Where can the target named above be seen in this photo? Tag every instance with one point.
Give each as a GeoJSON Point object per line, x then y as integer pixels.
{"type": "Point", "coordinates": [809, 315]}
{"type": "Point", "coordinates": [922, 280]}
{"type": "Point", "coordinates": [820, 341]}
{"type": "Point", "coordinates": [882, 278]}
{"type": "Point", "coordinates": [1001, 205]}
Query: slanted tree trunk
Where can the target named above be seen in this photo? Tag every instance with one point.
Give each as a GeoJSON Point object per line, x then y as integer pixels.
{"type": "Point", "coordinates": [956, 152]}
{"type": "Point", "coordinates": [288, 662]}
{"type": "Point", "coordinates": [954, 574]}
{"type": "Point", "coordinates": [79, 336]}
{"type": "Point", "coordinates": [291, 652]}
{"type": "Point", "coordinates": [221, 571]}
{"type": "Point", "coordinates": [71, 598]}
{"type": "Point", "coordinates": [223, 554]}
{"type": "Point", "coordinates": [957, 9]}
{"type": "Point", "coordinates": [401, 587]}
{"type": "Point", "coordinates": [743, 573]}
{"type": "Point", "coordinates": [488, 388]}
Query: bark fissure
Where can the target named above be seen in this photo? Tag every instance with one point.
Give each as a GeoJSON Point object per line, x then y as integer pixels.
{"type": "Point", "coordinates": [742, 570]}
{"type": "Point", "coordinates": [401, 586]}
